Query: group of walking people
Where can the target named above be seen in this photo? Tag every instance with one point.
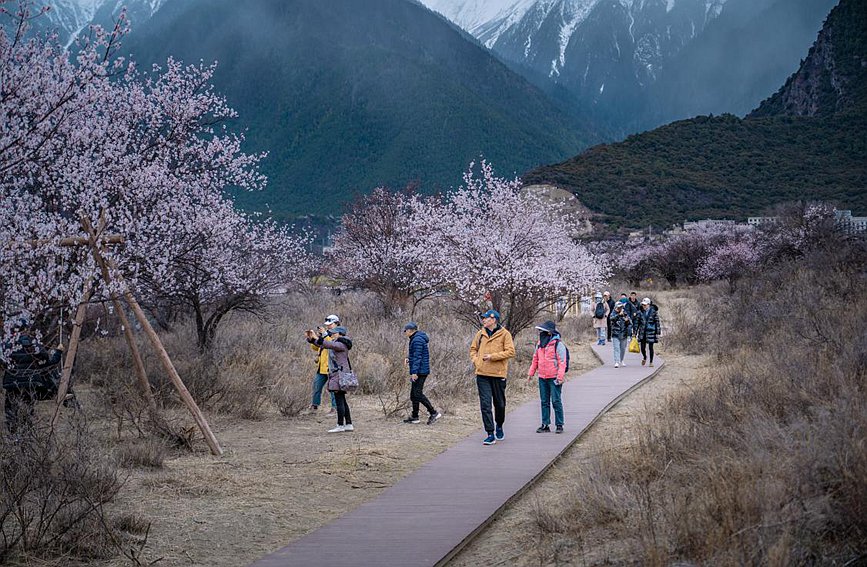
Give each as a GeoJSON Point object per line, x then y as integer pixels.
{"type": "Point", "coordinates": [490, 351]}
{"type": "Point", "coordinates": [622, 321]}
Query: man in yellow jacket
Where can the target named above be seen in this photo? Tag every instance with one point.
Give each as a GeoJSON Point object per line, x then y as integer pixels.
{"type": "Point", "coordinates": [321, 377]}
{"type": "Point", "coordinates": [490, 351]}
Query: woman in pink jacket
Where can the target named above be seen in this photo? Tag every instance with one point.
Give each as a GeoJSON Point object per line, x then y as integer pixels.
{"type": "Point", "coordinates": [550, 362]}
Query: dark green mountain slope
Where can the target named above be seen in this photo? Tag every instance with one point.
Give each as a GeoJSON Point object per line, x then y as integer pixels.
{"type": "Point", "coordinates": [349, 94]}
{"type": "Point", "coordinates": [726, 167]}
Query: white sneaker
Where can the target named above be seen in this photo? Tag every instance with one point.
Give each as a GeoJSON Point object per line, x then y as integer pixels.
{"type": "Point", "coordinates": [616, 365]}
{"type": "Point", "coordinates": [622, 364]}
{"type": "Point", "coordinates": [338, 429]}
{"type": "Point", "coordinates": [349, 427]}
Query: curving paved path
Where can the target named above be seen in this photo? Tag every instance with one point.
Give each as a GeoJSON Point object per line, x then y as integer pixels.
{"type": "Point", "coordinates": [427, 517]}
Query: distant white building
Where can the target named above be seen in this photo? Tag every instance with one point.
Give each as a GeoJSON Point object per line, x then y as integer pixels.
{"type": "Point", "coordinates": [708, 223]}
{"type": "Point", "coordinates": [848, 223]}
{"type": "Point", "coordinates": [756, 221]}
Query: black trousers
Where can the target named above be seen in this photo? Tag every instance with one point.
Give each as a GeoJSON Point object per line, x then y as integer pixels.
{"type": "Point", "coordinates": [343, 416]}
{"type": "Point", "coordinates": [19, 409]}
{"type": "Point", "coordinates": [492, 389]}
{"type": "Point", "coordinates": [416, 395]}
{"type": "Point", "coordinates": [644, 344]}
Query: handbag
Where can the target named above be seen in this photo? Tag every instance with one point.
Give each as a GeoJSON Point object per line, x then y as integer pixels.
{"type": "Point", "coordinates": [347, 380]}
{"type": "Point", "coordinates": [633, 345]}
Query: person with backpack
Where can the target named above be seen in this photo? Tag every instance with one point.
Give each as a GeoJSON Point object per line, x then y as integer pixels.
{"type": "Point", "coordinates": [551, 361]}
{"type": "Point", "coordinates": [418, 361]}
{"type": "Point", "coordinates": [621, 331]}
{"type": "Point", "coordinates": [600, 318]}
{"type": "Point", "coordinates": [490, 351]}
{"type": "Point", "coordinates": [648, 329]}
{"type": "Point", "coordinates": [338, 361]}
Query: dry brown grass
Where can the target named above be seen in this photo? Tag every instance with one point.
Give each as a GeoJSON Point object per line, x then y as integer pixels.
{"type": "Point", "coordinates": [764, 465]}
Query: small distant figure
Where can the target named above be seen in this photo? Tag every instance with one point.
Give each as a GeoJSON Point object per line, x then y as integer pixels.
{"type": "Point", "coordinates": [631, 310]}
{"type": "Point", "coordinates": [32, 374]}
{"type": "Point", "coordinates": [338, 361]}
{"type": "Point", "coordinates": [609, 301]}
{"type": "Point", "coordinates": [621, 331]}
{"type": "Point", "coordinates": [549, 360]}
{"type": "Point", "coordinates": [648, 329]}
{"type": "Point", "coordinates": [633, 299]}
{"type": "Point", "coordinates": [490, 351]}
{"type": "Point", "coordinates": [600, 318]}
{"type": "Point", "coordinates": [418, 362]}
{"type": "Point", "coordinates": [321, 377]}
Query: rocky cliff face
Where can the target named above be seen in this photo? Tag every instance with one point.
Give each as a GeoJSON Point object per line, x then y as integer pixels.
{"type": "Point", "coordinates": [832, 78]}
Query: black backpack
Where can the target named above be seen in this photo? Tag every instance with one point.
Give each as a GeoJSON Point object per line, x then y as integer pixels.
{"type": "Point", "coordinates": [600, 311]}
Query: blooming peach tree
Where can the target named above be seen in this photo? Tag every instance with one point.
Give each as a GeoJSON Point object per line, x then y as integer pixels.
{"type": "Point", "coordinates": [91, 141]}
{"type": "Point", "coordinates": [492, 238]}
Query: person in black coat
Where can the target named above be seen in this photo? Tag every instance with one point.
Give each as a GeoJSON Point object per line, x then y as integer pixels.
{"type": "Point", "coordinates": [621, 331]}
{"type": "Point", "coordinates": [648, 329]}
{"type": "Point", "coordinates": [32, 374]}
{"type": "Point", "coordinates": [609, 301]}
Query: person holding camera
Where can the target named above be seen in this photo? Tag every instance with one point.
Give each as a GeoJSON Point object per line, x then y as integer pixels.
{"type": "Point", "coordinates": [490, 351]}
{"type": "Point", "coordinates": [418, 362]}
{"type": "Point", "coordinates": [338, 361]}
{"type": "Point", "coordinates": [321, 377]}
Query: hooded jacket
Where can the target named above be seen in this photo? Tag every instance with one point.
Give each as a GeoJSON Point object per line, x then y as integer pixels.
{"type": "Point", "coordinates": [499, 345]}
{"type": "Point", "coordinates": [338, 359]}
{"type": "Point", "coordinates": [419, 355]}
{"type": "Point", "coordinates": [321, 356]}
{"type": "Point", "coordinates": [549, 360]}
{"type": "Point", "coordinates": [648, 324]}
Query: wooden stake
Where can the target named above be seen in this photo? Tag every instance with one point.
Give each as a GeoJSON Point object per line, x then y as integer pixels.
{"type": "Point", "coordinates": [188, 400]}
{"type": "Point", "coordinates": [71, 351]}
{"type": "Point", "coordinates": [141, 373]}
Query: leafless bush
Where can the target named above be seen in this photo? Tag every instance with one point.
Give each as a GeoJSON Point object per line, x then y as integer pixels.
{"type": "Point", "coordinates": [766, 464]}
{"type": "Point", "coordinates": [54, 488]}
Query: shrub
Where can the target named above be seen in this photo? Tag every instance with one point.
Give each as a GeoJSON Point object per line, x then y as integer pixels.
{"type": "Point", "coordinates": [53, 491]}
{"type": "Point", "coordinates": [766, 463]}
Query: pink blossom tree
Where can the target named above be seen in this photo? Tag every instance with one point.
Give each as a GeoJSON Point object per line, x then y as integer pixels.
{"type": "Point", "coordinates": [146, 156]}
{"type": "Point", "coordinates": [736, 257]}
{"type": "Point", "coordinates": [380, 246]}
{"type": "Point", "coordinates": [493, 238]}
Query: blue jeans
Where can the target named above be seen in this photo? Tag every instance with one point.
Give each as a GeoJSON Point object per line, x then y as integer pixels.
{"type": "Point", "coordinates": [620, 348]}
{"type": "Point", "coordinates": [600, 334]}
{"type": "Point", "coordinates": [318, 383]}
{"type": "Point", "coordinates": [550, 392]}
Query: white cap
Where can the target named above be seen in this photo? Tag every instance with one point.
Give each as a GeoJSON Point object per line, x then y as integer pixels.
{"type": "Point", "coordinates": [332, 319]}
{"type": "Point", "coordinates": [645, 301]}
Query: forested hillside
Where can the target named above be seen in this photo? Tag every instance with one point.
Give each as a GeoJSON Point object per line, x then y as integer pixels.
{"type": "Point", "coordinates": [350, 94]}
{"type": "Point", "coordinates": [726, 167]}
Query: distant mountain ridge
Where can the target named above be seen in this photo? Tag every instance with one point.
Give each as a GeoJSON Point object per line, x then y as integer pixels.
{"type": "Point", "coordinates": [808, 141]}
{"type": "Point", "coordinates": [629, 61]}
{"type": "Point", "coordinates": [351, 94]}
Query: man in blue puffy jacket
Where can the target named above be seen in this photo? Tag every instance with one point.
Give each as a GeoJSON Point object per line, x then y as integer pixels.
{"type": "Point", "coordinates": [418, 361]}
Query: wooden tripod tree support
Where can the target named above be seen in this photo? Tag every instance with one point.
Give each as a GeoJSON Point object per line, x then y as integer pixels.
{"type": "Point", "coordinates": [95, 242]}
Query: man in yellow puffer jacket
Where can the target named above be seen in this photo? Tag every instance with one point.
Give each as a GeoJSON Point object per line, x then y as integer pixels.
{"type": "Point", "coordinates": [490, 351]}
{"type": "Point", "coordinates": [321, 377]}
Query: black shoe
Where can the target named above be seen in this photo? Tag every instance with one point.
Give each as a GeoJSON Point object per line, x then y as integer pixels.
{"type": "Point", "coordinates": [544, 429]}
{"type": "Point", "coordinates": [411, 419]}
{"type": "Point", "coordinates": [433, 417]}
{"type": "Point", "coordinates": [559, 429]}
